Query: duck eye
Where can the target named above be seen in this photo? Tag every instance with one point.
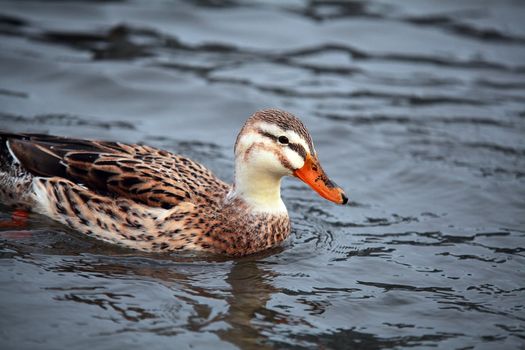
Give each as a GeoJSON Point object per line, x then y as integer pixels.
{"type": "Point", "coordinates": [283, 140]}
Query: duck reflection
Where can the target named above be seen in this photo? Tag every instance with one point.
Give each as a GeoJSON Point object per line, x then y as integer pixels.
{"type": "Point", "coordinates": [195, 304]}
{"type": "Point", "coordinates": [251, 288]}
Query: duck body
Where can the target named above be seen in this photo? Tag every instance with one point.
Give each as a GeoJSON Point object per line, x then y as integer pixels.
{"type": "Point", "coordinates": [152, 200]}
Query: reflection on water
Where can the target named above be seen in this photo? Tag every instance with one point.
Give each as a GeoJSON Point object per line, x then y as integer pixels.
{"type": "Point", "coordinates": [417, 110]}
{"type": "Point", "coordinates": [251, 288]}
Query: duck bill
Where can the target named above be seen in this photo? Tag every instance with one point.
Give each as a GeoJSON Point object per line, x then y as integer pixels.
{"type": "Point", "coordinates": [314, 176]}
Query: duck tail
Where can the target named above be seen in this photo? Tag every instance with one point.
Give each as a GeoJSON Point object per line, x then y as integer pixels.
{"type": "Point", "coordinates": [5, 157]}
{"type": "Point", "coordinates": [15, 181]}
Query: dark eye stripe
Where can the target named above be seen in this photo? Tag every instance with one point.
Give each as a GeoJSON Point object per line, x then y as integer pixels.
{"type": "Point", "coordinates": [294, 146]}
{"type": "Point", "coordinates": [298, 148]}
{"type": "Point", "coordinates": [267, 134]}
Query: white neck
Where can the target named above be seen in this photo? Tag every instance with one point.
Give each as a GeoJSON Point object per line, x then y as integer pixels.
{"type": "Point", "coordinates": [259, 188]}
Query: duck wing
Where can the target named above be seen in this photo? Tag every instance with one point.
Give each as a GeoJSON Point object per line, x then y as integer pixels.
{"type": "Point", "coordinates": [143, 174]}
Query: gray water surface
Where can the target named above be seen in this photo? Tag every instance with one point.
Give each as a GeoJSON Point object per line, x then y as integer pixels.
{"type": "Point", "coordinates": [417, 109]}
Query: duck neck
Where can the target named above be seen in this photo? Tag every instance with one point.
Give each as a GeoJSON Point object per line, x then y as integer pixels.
{"type": "Point", "coordinates": [259, 188]}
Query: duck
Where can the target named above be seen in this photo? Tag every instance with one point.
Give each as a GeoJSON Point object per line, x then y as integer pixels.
{"type": "Point", "coordinates": [144, 198]}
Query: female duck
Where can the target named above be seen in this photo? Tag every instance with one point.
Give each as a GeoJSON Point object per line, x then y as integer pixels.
{"type": "Point", "coordinates": [148, 199]}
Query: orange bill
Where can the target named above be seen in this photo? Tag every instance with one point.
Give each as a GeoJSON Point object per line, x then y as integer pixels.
{"type": "Point", "coordinates": [312, 174]}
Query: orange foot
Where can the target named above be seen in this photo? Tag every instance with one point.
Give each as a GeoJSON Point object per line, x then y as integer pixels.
{"type": "Point", "coordinates": [18, 220]}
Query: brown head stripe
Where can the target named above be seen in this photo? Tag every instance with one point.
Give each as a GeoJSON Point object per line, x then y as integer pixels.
{"type": "Point", "coordinates": [285, 121]}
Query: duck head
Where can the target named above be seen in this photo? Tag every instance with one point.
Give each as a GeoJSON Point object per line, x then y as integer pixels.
{"type": "Point", "coordinates": [273, 144]}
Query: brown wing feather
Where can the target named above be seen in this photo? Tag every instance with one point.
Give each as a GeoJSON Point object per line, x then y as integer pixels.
{"type": "Point", "coordinates": [144, 174]}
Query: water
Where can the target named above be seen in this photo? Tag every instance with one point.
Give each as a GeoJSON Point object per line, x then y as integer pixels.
{"type": "Point", "coordinates": [417, 109]}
